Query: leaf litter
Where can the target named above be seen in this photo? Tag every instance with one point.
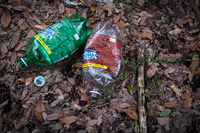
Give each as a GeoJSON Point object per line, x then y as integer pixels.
{"type": "Point", "coordinates": [172, 80]}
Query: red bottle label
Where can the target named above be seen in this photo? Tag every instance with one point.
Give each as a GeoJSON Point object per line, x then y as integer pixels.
{"type": "Point", "coordinates": [103, 52]}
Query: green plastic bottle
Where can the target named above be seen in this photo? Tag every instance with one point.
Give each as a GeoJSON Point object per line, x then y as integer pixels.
{"type": "Point", "coordinates": [57, 42]}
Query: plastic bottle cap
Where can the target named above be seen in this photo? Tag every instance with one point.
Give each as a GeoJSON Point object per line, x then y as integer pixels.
{"type": "Point", "coordinates": [39, 81]}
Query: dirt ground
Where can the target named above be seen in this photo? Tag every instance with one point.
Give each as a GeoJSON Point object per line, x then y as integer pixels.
{"type": "Point", "coordinates": [168, 31]}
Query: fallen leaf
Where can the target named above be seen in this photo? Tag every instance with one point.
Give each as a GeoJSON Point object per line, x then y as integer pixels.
{"type": "Point", "coordinates": [28, 113]}
{"type": "Point", "coordinates": [124, 105]}
{"type": "Point", "coordinates": [99, 120]}
{"type": "Point", "coordinates": [54, 116]}
{"type": "Point", "coordinates": [3, 48]}
{"type": "Point", "coordinates": [4, 103]}
{"type": "Point", "coordinates": [163, 120]}
{"type": "Point", "coordinates": [39, 116]}
{"type": "Point", "coordinates": [13, 42]}
{"type": "Point", "coordinates": [169, 70]}
{"type": "Point", "coordinates": [160, 107]}
{"type": "Point", "coordinates": [84, 2]}
{"type": "Point", "coordinates": [5, 18]}
{"type": "Point", "coordinates": [189, 38]}
{"type": "Point", "coordinates": [195, 64]}
{"type": "Point", "coordinates": [24, 93]}
{"type": "Point", "coordinates": [187, 103]}
{"type": "Point", "coordinates": [165, 112]}
{"type": "Point", "coordinates": [61, 8]}
{"type": "Point", "coordinates": [16, 3]}
{"type": "Point", "coordinates": [147, 33]}
{"type": "Point", "coordinates": [1, 111]}
{"type": "Point", "coordinates": [131, 113]}
{"type": "Point", "coordinates": [13, 57]}
{"type": "Point", "coordinates": [27, 14]}
{"type": "Point", "coordinates": [93, 7]}
{"type": "Point", "coordinates": [151, 71]}
{"type": "Point", "coordinates": [30, 34]}
{"type": "Point", "coordinates": [187, 95]}
{"type": "Point", "coordinates": [121, 24]}
{"type": "Point", "coordinates": [170, 57]}
{"type": "Point", "coordinates": [41, 27]}
{"type": "Point", "coordinates": [68, 119]}
{"type": "Point", "coordinates": [175, 89]}
{"type": "Point", "coordinates": [34, 89]}
{"type": "Point", "coordinates": [171, 105]}
{"type": "Point", "coordinates": [55, 102]}
{"type": "Point", "coordinates": [78, 64]}
{"type": "Point", "coordinates": [39, 106]}
{"type": "Point", "coordinates": [175, 31]}
{"type": "Point", "coordinates": [141, 2]}
{"type": "Point", "coordinates": [91, 123]}
{"type": "Point", "coordinates": [28, 80]}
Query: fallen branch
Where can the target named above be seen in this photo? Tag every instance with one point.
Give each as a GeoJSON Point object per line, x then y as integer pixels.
{"type": "Point", "coordinates": [141, 96]}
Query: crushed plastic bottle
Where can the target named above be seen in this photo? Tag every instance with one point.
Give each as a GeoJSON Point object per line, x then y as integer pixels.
{"type": "Point", "coordinates": [102, 57]}
{"type": "Point", "coordinates": [57, 42]}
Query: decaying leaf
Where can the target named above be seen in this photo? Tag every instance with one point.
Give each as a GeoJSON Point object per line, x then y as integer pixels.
{"type": "Point", "coordinates": [27, 14]}
{"type": "Point", "coordinates": [175, 31]}
{"type": "Point", "coordinates": [163, 120]}
{"type": "Point", "coordinates": [61, 8]}
{"type": "Point", "coordinates": [141, 2]}
{"type": "Point", "coordinates": [1, 111]}
{"type": "Point", "coordinates": [5, 18]}
{"type": "Point", "coordinates": [39, 116]}
{"type": "Point", "coordinates": [24, 93]}
{"type": "Point", "coordinates": [171, 105]}
{"type": "Point", "coordinates": [13, 42]}
{"type": "Point", "coordinates": [78, 64]}
{"type": "Point", "coordinates": [68, 119]}
{"type": "Point", "coordinates": [34, 89]}
{"type": "Point", "coordinates": [28, 113]}
{"type": "Point", "coordinates": [194, 66]}
{"type": "Point", "coordinates": [55, 102]}
{"type": "Point", "coordinates": [41, 27]}
{"type": "Point", "coordinates": [151, 71]}
{"type": "Point", "coordinates": [93, 7]}
{"type": "Point", "coordinates": [39, 106]}
{"type": "Point", "coordinates": [3, 48]}
{"type": "Point", "coordinates": [13, 57]}
{"type": "Point", "coordinates": [54, 116]}
{"type": "Point", "coordinates": [30, 34]}
{"type": "Point", "coordinates": [147, 33]}
{"type": "Point", "coordinates": [187, 103]}
{"type": "Point", "coordinates": [84, 2]}
{"type": "Point", "coordinates": [28, 80]}
{"type": "Point", "coordinates": [187, 95]}
{"type": "Point", "coordinates": [4, 103]}
{"type": "Point", "coordinates": [91, 123]}
{"type": "Point", "coordinates": [176, 90]}
{"type": "Point", "coordinates": [131, 113]}
{"type": "Point", "coordinates": [170, 57]}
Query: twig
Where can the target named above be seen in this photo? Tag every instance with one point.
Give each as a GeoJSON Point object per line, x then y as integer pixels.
{"type": "Point", "coordinates": [141, 96]}
{"type": "Point", "coordinates": [101, 105]}
{"type": "Point", "coordinates": [64, 103]}
{"type": "Point", "coordinates": [30, 23]}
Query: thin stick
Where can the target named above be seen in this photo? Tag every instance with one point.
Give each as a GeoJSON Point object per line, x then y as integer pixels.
{"type": "Point", "coordinates": [141, 99]}
{"type": "Point", "coordinates": [64, 103]}
{"type": "Point", "coordinates": [101, 105]}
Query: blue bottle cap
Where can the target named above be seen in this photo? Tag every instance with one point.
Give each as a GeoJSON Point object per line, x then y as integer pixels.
{"type": "Point", "coordinates": [39, 81]}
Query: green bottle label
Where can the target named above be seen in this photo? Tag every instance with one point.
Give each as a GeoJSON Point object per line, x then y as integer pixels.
{"type": "Point", "coordinates": [59, 40]}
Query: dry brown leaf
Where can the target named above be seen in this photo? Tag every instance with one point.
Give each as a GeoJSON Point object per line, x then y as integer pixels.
{"type": "Point", "coordinates": [116, 18]}
{"type": "Point", "coordinates": [5, 18]}
{"type": "Point", "coordinates": [93, 7]}
{"type": "Point", "coordinates": [3, 48]}
{"type": "Point", "coordinates": [141, 2]}
{"type": "Point", "coordinates": [57, 2]}
{"type": "Point", "coordinates": [187, 103]}
{"type": "Point", "coordinates": [194, 45]}
{"type": "Point", "coordinates": [84, 2]}
{"type": "Point", "coordinates": [147, 33]}
{"type": "Point", "coordinates": [61, 8]}
{"type": "Point", "coordinates": [163, 120]}
{"type": "Point", "coordinates": [13, 57]}
{"type": "Point", "coordinates": [39, 116]}
{"type": "Point", "coordinates": [28, 113]}
{"type": "Point", "coordinates": [78, 64]}
{"type": "Point", "coordinates": [13, 42]}
{"type": "Point", "coordinates": [151, 71]}
{"type": "Point", "coordinates": [194, 66]}
{"type": "Point", "coordinates": [170, 57]}
{"type": "Point", "coordinates": [30, 34]}
{"type": "Point", "coordinates": [187, 95]}
{"type": "Point", "coordinates": [4, 103]}
{"type": "Point", "coordinates": [41, 27]}
{"type": "Point", "coordinates": [171, 105]}
{"type": "Point", "coordinates": [55, 116]}
{"type": "Point", "coordinates": [16, 3]}
{"type": "Point", "coordinates": [91, 123]}
{"type": "Point", "coordinates": [68, 119]}
{"type": "Point", "coordinates": [121, 24]}
{"type": "Point", "coordinates": [1, 111]}
{"type": "Point", "coordinates": [34, 89]}
{"type": "Point", "coordinates": [28, 80]}
{"type": "Point", "coordinates": [131, 113]}
{"type": "Point", "coordinates": [175, 89]}
{"type": "Point", "coordinates": [39, 106]}
{"type": "Point", "coordinates": [160, 107]}
{"type": "Point", "coordinates": [175, 31]}
{"type": "Point", "coordinates": [27, 14]}
{"type": "Point", "coordinates": [54, 103]}
{"type": "Point", "coordinates": [19, 8]}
